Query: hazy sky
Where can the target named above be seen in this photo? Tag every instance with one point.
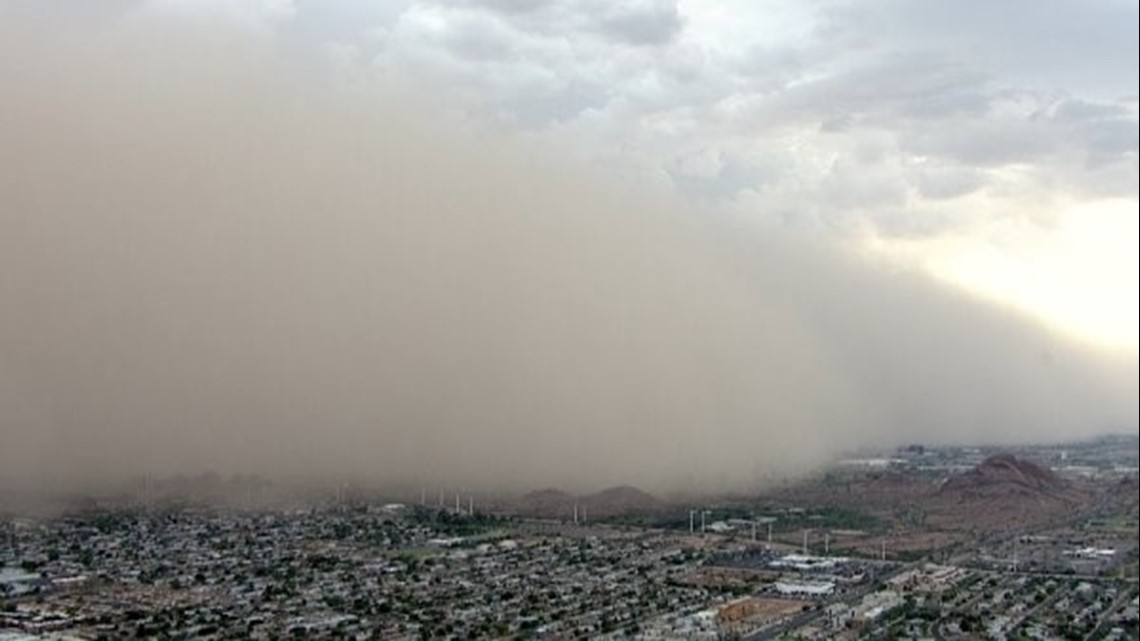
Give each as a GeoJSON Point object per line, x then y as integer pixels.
{"type": "Point", "coordinates": [971, 137]}
{"type": "Point", "coordinates": [992, 143]}
{"type": "Point", "coordinates": [545, 243]}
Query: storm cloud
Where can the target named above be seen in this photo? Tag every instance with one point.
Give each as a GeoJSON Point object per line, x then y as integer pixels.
{"type": "Point", "coordinates": [209, 260]}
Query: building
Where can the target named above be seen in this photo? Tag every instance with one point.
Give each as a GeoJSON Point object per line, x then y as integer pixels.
{"type": "Point", "coordinates": [806, 588]}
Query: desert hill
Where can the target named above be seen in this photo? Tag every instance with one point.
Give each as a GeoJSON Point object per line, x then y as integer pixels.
{"type": "Point", "coordinates": [1004, 475]}
{"type": "Point", "coordinates": [623, 499]}
{"type": "Point", "coordinates": [614, 501]}
{"type": "Point", "coordinates": [547, 503]}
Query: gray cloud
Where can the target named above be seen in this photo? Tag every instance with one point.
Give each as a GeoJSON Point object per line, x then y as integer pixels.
{"type": "Point", "coordinates": [1085, 47]}
{"type": "Point", "coordinates": [210, 262]}
{"type": "Point", "coordinates": [943, 183]}
{"type": "Point", "coordinates": [968, 87]}
{"type": "Point", "coordinates": [625, 22]}
{"type": "Point", "coordinates": [643, 22]}
{"type": "Point", "coordinates": [721, 174]}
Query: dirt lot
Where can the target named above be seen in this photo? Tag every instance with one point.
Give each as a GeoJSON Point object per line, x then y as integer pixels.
{"type": "Point", "coordinates": [756, 612]}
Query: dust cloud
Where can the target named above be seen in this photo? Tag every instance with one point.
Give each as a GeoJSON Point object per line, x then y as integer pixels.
{"type": "Point", "coordinates": [209, 261]}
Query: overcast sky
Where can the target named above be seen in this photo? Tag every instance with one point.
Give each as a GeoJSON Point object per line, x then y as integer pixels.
{"type": "Point", "coordinates": [612, 236]}
{"type": "Point", "coordinates": [971, 137]}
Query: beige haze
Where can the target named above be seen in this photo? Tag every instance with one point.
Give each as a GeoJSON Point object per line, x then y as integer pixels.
{"type": "Point", "coordinates": [210, 262]}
